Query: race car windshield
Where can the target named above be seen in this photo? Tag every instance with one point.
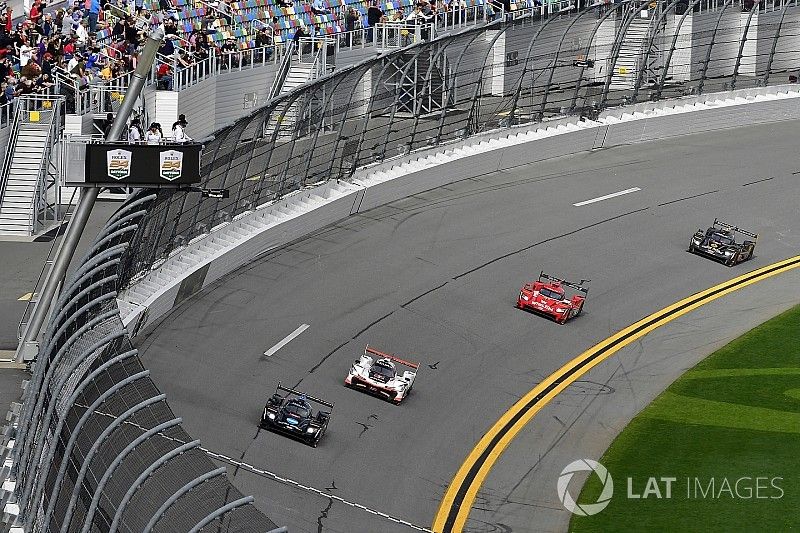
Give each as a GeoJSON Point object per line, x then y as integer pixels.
{"type": "Point", "coordinates": [548, 293]}
{"type": "Point", "coordinates": [382, 371]}
{"type": "Point", "coordinates": [722, 239]}
{"type": "Point", "coordinates": [298, 410]}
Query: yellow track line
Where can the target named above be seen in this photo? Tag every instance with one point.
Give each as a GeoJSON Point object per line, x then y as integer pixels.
{"type": "Point", "coordinates": [460, 495]}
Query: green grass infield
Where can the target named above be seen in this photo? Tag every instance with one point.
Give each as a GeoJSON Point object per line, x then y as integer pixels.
{"type": "Point", "coordinates": [719, 450]}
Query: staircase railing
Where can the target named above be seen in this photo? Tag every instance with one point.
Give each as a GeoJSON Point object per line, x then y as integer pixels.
{"type": "Point", "coordinates": [6, 114]}
{"type": "Point", "coordinates": [39, 200]}
{"type": "Point", "coordinates": [283, 71]}
{"type": "Point", "coordinates": [322, 52]}
{"type": "Point", "coordinates": [12, 142]}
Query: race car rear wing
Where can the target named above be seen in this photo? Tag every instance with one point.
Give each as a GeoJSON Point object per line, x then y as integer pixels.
{"type": "Point", "coordinates": [571, 284]}
{"type": "Point", "coordinates": [303, 395]}
{"type": "Point", "coordinates": [729, 227]}
{"type": "Point", "coordinates": [373, 351]}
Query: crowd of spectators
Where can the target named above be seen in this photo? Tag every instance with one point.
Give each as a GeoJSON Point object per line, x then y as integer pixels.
{"type": "Point", "coordinates": [33, 47]}
{"type": "Point", "coordinates": [92, 41]}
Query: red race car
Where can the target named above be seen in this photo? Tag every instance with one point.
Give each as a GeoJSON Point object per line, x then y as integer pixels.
{"type": "Point", "coordinates": [547, 296]}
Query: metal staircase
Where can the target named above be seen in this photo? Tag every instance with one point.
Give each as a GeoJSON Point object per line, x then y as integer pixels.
{"type": "Point", "coordinates": [29, 172]}
{"type": "Point", "coordinates": [294, 72]}
{"type": "Point", "coordinates": [631, 54]}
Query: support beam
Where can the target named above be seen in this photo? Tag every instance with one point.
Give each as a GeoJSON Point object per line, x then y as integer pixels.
{"type": "Point", "coordinates": [88, 197]}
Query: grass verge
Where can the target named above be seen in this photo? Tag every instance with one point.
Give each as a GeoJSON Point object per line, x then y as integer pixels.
{"type": "Point", "coordinates": [727, 431]}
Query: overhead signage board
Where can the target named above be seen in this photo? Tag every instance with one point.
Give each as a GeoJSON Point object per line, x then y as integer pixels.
{"type": "Point", "coordinates": [122, 164]}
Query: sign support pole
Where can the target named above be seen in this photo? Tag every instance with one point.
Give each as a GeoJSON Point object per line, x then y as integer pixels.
{"type": "Point", "coordinates": [28, 345]}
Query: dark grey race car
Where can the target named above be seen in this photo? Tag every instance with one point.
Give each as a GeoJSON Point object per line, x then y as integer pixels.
{"type": "Point", "coordinates": [293, 416]}
{"type": "Point", "coordinates": [719, 242]}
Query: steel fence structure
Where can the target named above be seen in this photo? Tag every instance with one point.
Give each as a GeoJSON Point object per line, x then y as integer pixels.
{"type": "Point", "coordinates": [500, 75]}
{"type": "Point", "coordinates": [98, 448]}
{"type": "Point", "coordinates": [102, 451]}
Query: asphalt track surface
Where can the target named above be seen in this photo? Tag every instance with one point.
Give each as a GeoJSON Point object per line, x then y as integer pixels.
{"type": "Point", "coordinates": [434, 278]}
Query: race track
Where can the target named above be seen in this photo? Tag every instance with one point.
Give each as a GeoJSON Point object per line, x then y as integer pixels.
{"type": "Point", "coordinates": [434, 278]}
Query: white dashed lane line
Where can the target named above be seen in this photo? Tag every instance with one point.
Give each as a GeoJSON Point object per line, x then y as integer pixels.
{"type": "Point", "coordinates": [286, 340]}
{"type": "Point", "coordinates": [607, 196]}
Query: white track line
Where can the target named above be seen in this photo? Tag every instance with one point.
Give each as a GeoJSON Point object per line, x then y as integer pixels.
{"type": "Point", "coordinates": [286, 340]}
{"type": "Point", "coordinates": [276, 477]}
{"type": "Point", "coordinates": [313, 490]}
{"type": "Point", "coordinates": [607, 196]}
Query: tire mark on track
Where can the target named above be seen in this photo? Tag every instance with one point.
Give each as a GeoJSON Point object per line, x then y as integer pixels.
{"type": "Point", "coordinates": [306, 488]}
{"type": "Point", "coordinates": [491, 187]}
{"type": "Point", "coordinates": [688, 198]}
{"type": "Point", "coordinates": [315, 367]}
{"type": "Point", "coordinates": [566, 427]}
{"type": "Point", "coordinates": [387, 315]}
{"type": "Point", "coordinates": [244, 452]}
{"type": "Point", "coordinates": [549, 239]}
{"type": "Point", "coordinates": [412, 300]}
{"type": "Point", "coordinates": [758, 181]}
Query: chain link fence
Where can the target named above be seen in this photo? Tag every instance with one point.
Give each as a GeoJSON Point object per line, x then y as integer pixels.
{"type": "Point", "coordinates": [98, 447]}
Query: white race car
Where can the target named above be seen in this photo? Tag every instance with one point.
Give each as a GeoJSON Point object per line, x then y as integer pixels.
{"type": "Point", "coordinates": [376, 373]}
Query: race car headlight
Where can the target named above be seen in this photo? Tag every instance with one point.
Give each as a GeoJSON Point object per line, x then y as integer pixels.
{"type": "Point", "coordinates": [310, 430]}
{"type": "Point", "coordinates": [728, 252]}
{"type": "Point", "coordinates": [523, 297]}
{"type": "Point", "coordinates": [271, 416]}
{"type": "Point", "coordinates": [560, 309]}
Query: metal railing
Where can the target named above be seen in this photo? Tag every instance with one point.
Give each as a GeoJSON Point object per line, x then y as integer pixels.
{"type": "Point", "coordinates": [449, 88]}
{"type": "Point", "coordinates": [216, 63]}
{"type": "Point", "coordinates": [97, 446]}
{"type": "Point", "coordinates": [9, 150]}
{"type": "Point", "coordinates": [48, 181]}
{"type": "Point", "coordinates": [6, 114]}
{"type": "Point", "coordinates": [323, 51]}
{"type": "Point", "coordinates": [390, 35]}
{"type": "Point", "coordinates": [283, 71]}
{"type": "Point", "coordinates": [99, 97]}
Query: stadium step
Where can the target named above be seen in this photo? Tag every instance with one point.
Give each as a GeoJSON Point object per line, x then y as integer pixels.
{"type": "Point", "coordinates": [23, 174]}
{"type": "Point", "coordinates": [632, 49]}
{"type": "Point", "coordinates": [299, 73]}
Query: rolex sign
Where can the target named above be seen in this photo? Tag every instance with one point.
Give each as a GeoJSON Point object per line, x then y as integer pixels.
{"type": "Point", "coordinates": [139, 165]}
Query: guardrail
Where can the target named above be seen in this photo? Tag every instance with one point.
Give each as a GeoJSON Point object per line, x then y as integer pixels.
{"type": "Point", "coordinates": [216, 63]}
{"type": "Point", "coordinates": [97, 97]}
{"type": "Point", "coordinates": [5, 169]}
{"type": "Point", "coordinates": [97, 447]}
{"type": "Point", "coordinates": [399, 34]}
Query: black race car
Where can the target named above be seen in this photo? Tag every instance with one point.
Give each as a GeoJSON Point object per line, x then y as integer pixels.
{"type": "Point", "coordinates": [293, 416]}
{"type": "Point", "coordinates": [719, 242]}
